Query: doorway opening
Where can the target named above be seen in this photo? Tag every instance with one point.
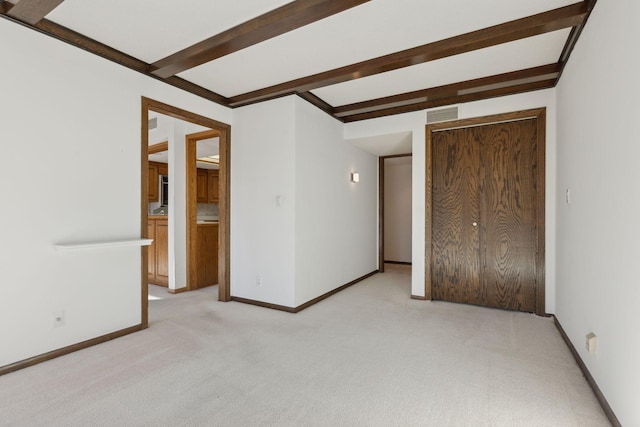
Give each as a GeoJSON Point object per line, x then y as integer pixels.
{"type": "Point", "coordinates": [395, 211]}
{"type": "Point", "coordinates": [223, 131]}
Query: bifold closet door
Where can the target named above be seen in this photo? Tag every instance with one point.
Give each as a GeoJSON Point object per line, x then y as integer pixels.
{"type": "Point", "coordinates": [484, 215]}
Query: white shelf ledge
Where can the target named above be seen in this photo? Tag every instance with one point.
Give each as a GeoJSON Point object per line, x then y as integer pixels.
{"type": "Point", "coordinates": [69, 247]}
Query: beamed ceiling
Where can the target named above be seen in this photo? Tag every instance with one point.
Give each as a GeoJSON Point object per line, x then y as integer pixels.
{"type": "Point", "coordinates": [354, 59]}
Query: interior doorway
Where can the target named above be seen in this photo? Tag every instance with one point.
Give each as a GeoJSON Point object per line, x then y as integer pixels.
{"type": "Point", "coordinates": [395, 211]}
{"type": "Point", "coordinates": [223, 130]}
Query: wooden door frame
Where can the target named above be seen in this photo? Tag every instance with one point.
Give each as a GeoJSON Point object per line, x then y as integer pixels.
{"type": "Point", "coordinates": [540, 115]}
{"type": "Point", "coordinates": [192, 203]}
{"type": "Point", "coordinates": [224, 228]}
{"type": "Point", "coordinates": [381, 171]}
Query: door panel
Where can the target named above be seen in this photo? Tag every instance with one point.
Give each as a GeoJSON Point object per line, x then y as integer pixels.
{"type": "Point", "coordinates": [162, 252]}
{"type": "Point", "coordinates": [483, 215]}
{"type": "Point", "coordinates": [508, 205]}
{"type": "Point", "coordinates": [455, 269]}
{"type": "Point", "coordinates": [151, 233]}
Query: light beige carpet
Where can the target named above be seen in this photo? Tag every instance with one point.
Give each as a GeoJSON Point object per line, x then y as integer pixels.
{"type": "Point", "coordinates": [368, 356]}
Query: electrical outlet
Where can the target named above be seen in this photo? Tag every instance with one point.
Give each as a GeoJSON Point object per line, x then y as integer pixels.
{"type": "Point", "coordinates": [259, 281]}
{"type": "Point", "coordinates": [58, 318]}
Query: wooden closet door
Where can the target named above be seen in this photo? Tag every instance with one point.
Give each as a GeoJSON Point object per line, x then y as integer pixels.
{"type": "Point", "coordinates": [455, 270]}
{"type": "Point", "coordinates": [508, 227]}
{"type": "Point", "coordinates": [483, 248]}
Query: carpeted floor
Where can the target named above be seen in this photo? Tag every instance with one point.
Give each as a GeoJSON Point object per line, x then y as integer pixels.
{"type": "Point", "coordinates": [367, 356]}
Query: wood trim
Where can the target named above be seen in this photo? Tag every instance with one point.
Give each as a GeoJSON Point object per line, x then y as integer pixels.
{"type": "Point", "coordinates": [418, 297]}
{"type": "Point", "coordinates": [83, 42]}
{"type": "Point", "coordinates": [335, 291]}
{"type": "Point", "coordinates": [224, 130]}
{"type": "Point", "coordinates": [306, 304]}
{"type": "Point", "coordinates": [264, 304]}
{"type": "Point", "coordinates": [33, 11]}
{"type": "Point", "coordinates": [159, 147]}
{"type": "Point", "coordinates": [545, 72]}
{"type": "Point", "coordinates": [224, 209]}
{"type": "Point", "coordinates": [540, 115]}
{"type": "Point", "coordinates": [585, 371]}
{"type": "Point", "coordinates": [397, 262]}
{"type": "Point", "coordinates": [428, 205]}
{"type": "Point", "coordinates": [269, 25]}
{"type": "Point", "coordinates": [191, 143]}
{"type": "Point", "coordinates": [457, 99]}
{"type": "Point", "coordinates": [381, 214]}
{"type": "Point", "coordinates": [393, 156]}
{"type": "Point", "coordinates": [69, 349]}
{"type": "Point", "coordinates": [319, 103]}
{"type": "Point", "coordinates": [144, 212]}
{"type": "Point", "coordinates": [541, 121]}
{"type": "Point", "coordinates": [486, 120]}
{"type": "Point", "coordinates": [179, 290]}
{"type": "Point", "coordinates": [574, 36]}
{"type": "Point", "coordinates": [541, 23]}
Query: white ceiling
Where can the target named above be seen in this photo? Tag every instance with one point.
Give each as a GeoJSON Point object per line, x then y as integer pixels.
{"type": "Point", "coordinates": [527, 53]}
{"type": "Point", "coordinates": [150, 30]}
{"type": "Point", "coordinates": [385, 145]}
{"type": "Point", "coordinates": [153, 29]}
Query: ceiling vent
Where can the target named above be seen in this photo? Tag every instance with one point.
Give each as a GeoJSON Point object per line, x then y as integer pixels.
{"type": "Point", "coordinates": [153, 123]}
{"type": "Point", "coordinates": [442, 115]}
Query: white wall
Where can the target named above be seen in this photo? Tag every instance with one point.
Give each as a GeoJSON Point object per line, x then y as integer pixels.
{"type": "Point", "coordinates": [397, 209]}
{"type": "Point", "coordinates": [599, 232]}
{"type": "Point", "coordinates": [336, 220]}
{"type": "Point", "coordinates": [70, 171]}
{"type": "Point", "coordinates": [416, 122]}
{"type": "Point", "coordinates": [322, 234]}
{"type": "Point", "coordinates": [262, 233]}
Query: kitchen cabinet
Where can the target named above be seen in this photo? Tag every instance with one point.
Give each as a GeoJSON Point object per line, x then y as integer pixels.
{"type": "Point", "coordinates": [158, 266]}
{"type": "Point", "coordinates": [213, 186]}
{"type": "Point", "coordinates": [207, 186]}
{"type": "Point", "coordinates": [202, 194]}
{"type": "Point", "coordinates": [207, 255]}
{"type": "Point", "coordinates": [155, 170]}
{"type": "Point", "coordinates": [153, 182]}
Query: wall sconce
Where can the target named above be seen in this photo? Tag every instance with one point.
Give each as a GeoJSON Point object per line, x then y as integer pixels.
{"type": "Point", "coordinates": [355, 177]}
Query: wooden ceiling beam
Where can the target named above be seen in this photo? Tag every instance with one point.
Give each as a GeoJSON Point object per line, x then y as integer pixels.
{"type": "Point", "coordinates": [318, 102]}
{"type": "Point", "coordinates": [33, 11]}
{"type": "Point", "coordinates": [557, 19]}
{"type": "Point", "coordinates": [513, 78]}
{"type": "Point", "coordinates": [456, 99]}
{"type": "Point", "coordinates": [271, 24]}
{"type": "Point", "coordinates": [574, 36]}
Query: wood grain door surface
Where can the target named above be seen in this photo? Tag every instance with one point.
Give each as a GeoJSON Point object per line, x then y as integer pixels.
{"type": "Point", "coordinates": [483, 248]}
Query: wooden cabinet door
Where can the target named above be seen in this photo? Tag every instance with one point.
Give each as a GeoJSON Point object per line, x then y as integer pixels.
{"type": "Point", "coordinates": [483, 247]}
{"type": "Point", "coordinates": [162, 252]}
{"type": "Point", "coordinates": [151, 234]}
{"type": "Point", "coordinates": [202, 195]}
{"type": "Point", "coordinates": [153, 183]}
{"type": "Point", "coordinates": [207, 255]}
{"type": "Point", "coordinates": [213, 183]}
